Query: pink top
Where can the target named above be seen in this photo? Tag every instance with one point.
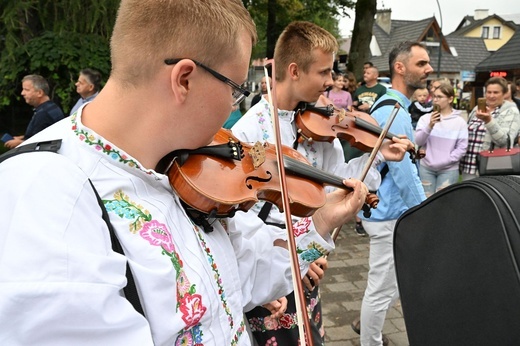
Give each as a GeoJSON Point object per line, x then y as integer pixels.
{"type": "Point", "coordinates": [341, 99]}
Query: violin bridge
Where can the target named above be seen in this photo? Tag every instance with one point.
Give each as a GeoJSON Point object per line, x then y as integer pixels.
{"type": "Point", "coordinates": [341, 115]}
{"type": "Point", "coordinates": [257, 153]}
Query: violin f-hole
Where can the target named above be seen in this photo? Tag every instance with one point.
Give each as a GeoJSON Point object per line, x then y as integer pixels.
{"type": "Point", "coordinates": [259, 179]}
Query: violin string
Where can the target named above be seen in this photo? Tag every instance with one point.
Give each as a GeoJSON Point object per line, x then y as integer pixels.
{"type": "Point", "coordinates": [312, 173]}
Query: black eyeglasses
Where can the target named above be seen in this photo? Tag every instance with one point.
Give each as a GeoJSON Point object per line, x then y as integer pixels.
{"type": "Point", "coordinates": [239, 93]}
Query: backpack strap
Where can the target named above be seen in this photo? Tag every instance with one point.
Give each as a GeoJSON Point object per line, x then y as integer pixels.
{"type": "Point", "coordinates": [53, 146]}
{"type": "Point", "coordinates": [130, 289]}
{"type": "Point", "coordinates": [387, 102]}
{"type": "Point", "coordinates": [50, 146]}
{"type": "Point", "coordinates": [384, 171]}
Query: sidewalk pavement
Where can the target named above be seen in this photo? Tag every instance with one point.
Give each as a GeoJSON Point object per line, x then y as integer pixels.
{"type": "Point", "coordinates": [342, 290]}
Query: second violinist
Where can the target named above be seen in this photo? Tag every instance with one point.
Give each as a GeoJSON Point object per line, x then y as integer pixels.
{"type": "Point", "coordinates": [303, 60]}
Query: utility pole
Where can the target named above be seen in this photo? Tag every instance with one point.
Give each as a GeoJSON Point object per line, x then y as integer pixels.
{"type": "Point", "coordinates": [440, 42]}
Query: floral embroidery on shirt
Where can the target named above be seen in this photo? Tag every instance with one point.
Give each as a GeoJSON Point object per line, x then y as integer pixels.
{"type": "Point", "coordinates": [106, 148]}
{"type": "Point", "coordinates": [314, 250]}
{"type": "Point", "coordinates": [311, 253]}
{"type": "Point", "coordinates": [302, 226]}
{"type": "Point", "coordinates": [311, 153]}
{"type": "Point", "coordinates": [125, 209]}
{"type": "Point", "coordinates": [218, 279]}
{"type": "Point", "coordinates": [238, 333]}
{"type": "Point", "coordinates": [189, 303]}
{"type": "Point", "coordinates": [287, 321]}
{"type": "Point", "coordinates": [263, 117]}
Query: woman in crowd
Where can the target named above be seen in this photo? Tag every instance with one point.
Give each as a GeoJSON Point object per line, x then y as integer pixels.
{"type": "Point", "coordinates": [511, 94]}
{"type": "Point", "coordinates": [444, 135]}
{"type": "Point", "coordinates": [352, 82]}
{"type": "Point", "coordinates": [498, 124]}
{"type": "Point", "coordinates": [339, 97]}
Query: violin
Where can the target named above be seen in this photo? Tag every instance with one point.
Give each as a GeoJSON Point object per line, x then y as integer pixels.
{"type": "Point", "coordinates": [325, 123]}
{"type": "Point", "coordinates": [227, 176]}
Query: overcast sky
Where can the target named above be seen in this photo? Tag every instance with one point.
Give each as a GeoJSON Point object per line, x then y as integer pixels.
{"type": "Point", "coordinates": [452, 11]}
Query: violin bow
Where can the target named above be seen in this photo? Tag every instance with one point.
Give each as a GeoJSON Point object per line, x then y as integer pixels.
{"type": "Point", "coordinates": [380, 140]}
{"type": "Point", "coordinates": [301, 306]}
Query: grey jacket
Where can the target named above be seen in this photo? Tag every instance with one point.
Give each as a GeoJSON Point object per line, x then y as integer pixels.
{"type": "Point", "coordinates": [506, 122]}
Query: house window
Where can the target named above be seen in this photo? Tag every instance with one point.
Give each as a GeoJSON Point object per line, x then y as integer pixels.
{"type": "Point", "coordinates": [485, 32]}
{"type": "Point", "coordinates": [496, 32]}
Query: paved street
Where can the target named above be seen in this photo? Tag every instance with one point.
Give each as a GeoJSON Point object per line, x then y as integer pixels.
{"type": "Point", "coordinates": [342, 291]}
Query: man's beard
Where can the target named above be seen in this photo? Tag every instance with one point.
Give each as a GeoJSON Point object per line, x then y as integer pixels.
{"type": "Point", "coordinates": [414, 83]}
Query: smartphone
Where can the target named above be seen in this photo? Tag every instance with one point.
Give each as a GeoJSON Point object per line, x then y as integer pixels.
{"type": "Point", "coordinates": [6, 137]}
{"type": "Point", "coordinates": [436, 108]}
{"type": "Point", "coordinates": [481, 104]}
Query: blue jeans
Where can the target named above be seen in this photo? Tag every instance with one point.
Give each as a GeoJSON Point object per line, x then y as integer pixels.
{"type": "Point", "coordinates": [433, 181]}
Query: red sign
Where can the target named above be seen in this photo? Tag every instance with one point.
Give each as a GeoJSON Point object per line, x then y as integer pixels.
{"type": "Point", "coordinates": [498, 74]}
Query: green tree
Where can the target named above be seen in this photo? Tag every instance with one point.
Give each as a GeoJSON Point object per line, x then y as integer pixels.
{"type": "Point", "coordinates": [272, 16]}
{"type": "Point", "coordinates": [361, 36]}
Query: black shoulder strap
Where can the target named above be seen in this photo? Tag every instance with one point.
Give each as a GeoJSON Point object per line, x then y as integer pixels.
{"type": "Point", "coordinates": [130, 289]}
{"type": "Point", "coordinates": [384, 171]}
{"type": "Point", "coordinates": [50, 146]}
{"type": "Point", "coordinates": [387, 102]}
{"type": "Point", "coordinates": [264, 212]}
{"type": "Point", "coordinates": [53, 146]}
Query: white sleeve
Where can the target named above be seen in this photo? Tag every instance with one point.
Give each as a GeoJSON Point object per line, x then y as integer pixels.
{"type": "Point", "coordinates": [353, 168]}
{"type": "Point", "coordinates": [60, 281]}
{"type": "Point", "coordinates": [264, 268]}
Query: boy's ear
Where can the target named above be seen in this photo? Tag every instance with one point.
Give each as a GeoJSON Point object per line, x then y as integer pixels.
{"type": "Point", "coordinates": [180, 79]}
{"type": "Point", "coordinates": [293, 71]}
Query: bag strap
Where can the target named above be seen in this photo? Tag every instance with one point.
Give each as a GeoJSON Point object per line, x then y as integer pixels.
{"type": "Point", "coordinates": [387, 102]}
{"type": "Point", "coordinates": [49, 146]}
{"type": "Point", "coordinates": [264, 212]}
{"type": "Point", "coordinates": [509, 146]}
{"type": "Point", "coordinates": [53, 146]}
{"type": "Point", "coordinates": [130, 289]}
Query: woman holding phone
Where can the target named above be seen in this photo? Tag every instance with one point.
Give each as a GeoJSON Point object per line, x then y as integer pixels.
{"type": "Point", "coordinates": [492, 121]}
{"type": "Point", "coordinates": [444, 135]}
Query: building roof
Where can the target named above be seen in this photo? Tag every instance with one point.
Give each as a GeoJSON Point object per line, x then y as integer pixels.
{"type": "Point", "coordinates": [472, 24]}
{"type": "Point", "coordinates": [513, 17]}
{"type": "Point", "coordinates": [407, 30]}
{"type": "Point", "coordinates": [467, 20]}
{"type": "Point", "coordinates": [469, 51]}
{"type": "Point", "coordinates": [505, 58]}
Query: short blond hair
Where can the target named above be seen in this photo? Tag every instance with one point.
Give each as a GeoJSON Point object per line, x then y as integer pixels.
{"type": "Point", "coordinates": [296, 43]}
{"type": "Point", "coordinates": [147, 32]}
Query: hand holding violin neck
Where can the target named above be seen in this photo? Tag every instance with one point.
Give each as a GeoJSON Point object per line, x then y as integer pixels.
{"type": "Point", "coordinates": [341, 206]}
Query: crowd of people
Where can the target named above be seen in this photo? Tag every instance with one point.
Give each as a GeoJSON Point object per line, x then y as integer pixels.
{"type": "Point", "coordinates": [36, 93]}
{"type": "Point", "coordinates": [202, 278]}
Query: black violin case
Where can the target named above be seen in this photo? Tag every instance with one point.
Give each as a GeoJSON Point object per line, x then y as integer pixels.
{"type": "Point", "coordinates": [457, 259]}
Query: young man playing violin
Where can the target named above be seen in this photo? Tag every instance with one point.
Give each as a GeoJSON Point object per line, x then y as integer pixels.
{"type": "Point", "coordinates": [60, 281]}
{"type": "Point", "coordinates": [303, 60]}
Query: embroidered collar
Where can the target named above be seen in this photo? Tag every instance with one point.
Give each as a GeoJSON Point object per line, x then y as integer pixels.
{"type": "Point", "coordinates": [102, 145]}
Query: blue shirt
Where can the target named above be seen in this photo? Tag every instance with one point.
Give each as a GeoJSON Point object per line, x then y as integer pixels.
{"type": "Point", "coordinates": [44, 115]}
{"type": "Point", "coordinates": [401, 188]}
{"type": "Point", "coordinates": [82, 101]}
{"type": "Point", "coordinates": [233, 118]}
